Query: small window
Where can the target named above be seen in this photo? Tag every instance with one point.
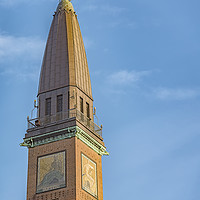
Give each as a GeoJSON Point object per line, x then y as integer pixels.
{"type": "Point", "coordinates": [81, 104]}
{"type": "Point", "coordinates": [39, 110]}
{"type": "Point", "coordinates": [59, 103]}
{"type": "Point", "coordinates": [68, 103]}
{"type": "Point", "coordinates": [48, 107]}
{"type": "Point", "coordinates": [88, 110]}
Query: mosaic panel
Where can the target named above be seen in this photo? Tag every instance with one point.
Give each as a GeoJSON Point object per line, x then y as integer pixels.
{"type": "Point", "coordinates": [51, 172]}
{"type": "Point", "coordinates": [89, 176]}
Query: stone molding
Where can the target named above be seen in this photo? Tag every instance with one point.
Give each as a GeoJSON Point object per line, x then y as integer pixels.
{"type": "Point", "coordinates": [62, 134]}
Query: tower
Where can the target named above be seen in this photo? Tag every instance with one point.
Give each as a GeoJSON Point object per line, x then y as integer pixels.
{"type": "Point", "coordinates": [65, 146]}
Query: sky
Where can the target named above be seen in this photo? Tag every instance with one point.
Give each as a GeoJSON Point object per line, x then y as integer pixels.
{"type": "Point", "coordinates": [144, 64]}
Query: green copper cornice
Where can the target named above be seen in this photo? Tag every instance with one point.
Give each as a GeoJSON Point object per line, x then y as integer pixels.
{"type": "Point", "coordinates": [90, 141]}
{"type": "Point", "coordinates": [62, 134]}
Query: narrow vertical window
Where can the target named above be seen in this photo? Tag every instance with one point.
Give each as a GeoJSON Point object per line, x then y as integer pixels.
{"type": "Point", "coordinates": [88, 110]}
{"type": "Point", "coordinates": [48, 107]}
{"type": "Point", "coordinates": [68, 105]}
{"type": "Point", "coordinates": [81, 104]}
{"type": "Point", "coordinates": [39, 110]}
{"type": "Point", "coordinates": [59, 103]}
{"type": "Point", "coordinates": [68, 101]}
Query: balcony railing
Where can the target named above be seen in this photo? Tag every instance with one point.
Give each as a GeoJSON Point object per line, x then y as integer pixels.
{"type": "Point", "coordinates": [42, 121]}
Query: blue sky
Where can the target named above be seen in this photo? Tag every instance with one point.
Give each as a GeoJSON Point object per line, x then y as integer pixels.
{"type": "Point", "coordinates": [144, 63]}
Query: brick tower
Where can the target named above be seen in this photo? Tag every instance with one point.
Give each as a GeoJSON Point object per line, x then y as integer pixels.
{"type": "Point", "coordinates": [65, 145]}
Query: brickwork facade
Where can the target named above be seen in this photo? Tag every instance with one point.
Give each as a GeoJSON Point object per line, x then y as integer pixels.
{"type": "Point", "coordinates": [74, 148]}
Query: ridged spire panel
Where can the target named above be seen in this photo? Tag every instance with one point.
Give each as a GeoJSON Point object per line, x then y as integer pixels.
{"type": "Point", "coordinates": [65, 62]}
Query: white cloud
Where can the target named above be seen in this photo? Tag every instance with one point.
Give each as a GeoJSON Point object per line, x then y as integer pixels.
{"type": "Point", "coordinates": [125, 77]}
{"type": "Point", "coordinates": [20, 56]}
{"type": "Point", "coordinates": [112, 10]}
{"type": "Point", "coordinates": [12, 47]}
{"type": "Point", "coordinates": [15, 2]}
{"type": "Point", "coordinates": [88, 42]}
{"type": "Point", "coordinates": [175, 94]}
{"type": "Point", "coordinates": [21, 75]}
{"type": "Point", "coordinates": [90, 7]}
{"type": "Point", "coordinates": [12, 2]}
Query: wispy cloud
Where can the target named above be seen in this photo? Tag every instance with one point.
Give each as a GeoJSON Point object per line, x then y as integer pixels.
{"type": "Point", "coordinates": [12, 47]}
{"type": "Point", "coordinates": [175, 94]}
{"type": "Point", "coordinates": [124, 81]}
{"type": "Point", "coordinates": [114, 10]}
{"type": "Point", "coordinates": [8, 3]}
{"type": "Point", "coordinates": [90, 7]}
{"type": "Point", "coordinates": [21, 75]}
{"type": "Point", "coordinates": [125, 77]}
{"type": "Point", "coordinates": [140, 83]}
{"type": "Point", "coordinates": [88, 42]}
{"type": "Point", "coordinates": [105, 9]}
{"type": "Point", "coordinates": [12, 2]}
{"type": "Point", "coordinates": [20, 56]}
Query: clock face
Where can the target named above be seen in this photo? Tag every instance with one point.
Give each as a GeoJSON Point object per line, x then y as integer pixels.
{"type": "Point", "coordinates": [89, 176]}
{"type": "Point", "coordinates": [51, 172]}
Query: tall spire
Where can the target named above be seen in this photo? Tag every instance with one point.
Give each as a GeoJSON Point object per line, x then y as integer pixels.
{"type": "Point", "coordinates": [65, 63]}
{"type": "Point", "coordinates": [65, 145]}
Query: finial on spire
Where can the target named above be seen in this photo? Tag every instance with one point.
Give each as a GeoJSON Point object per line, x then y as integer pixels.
{"type": "Point", "coordinates": [64, 0]}
{"type": "Point", "coordinates": [65, 4]}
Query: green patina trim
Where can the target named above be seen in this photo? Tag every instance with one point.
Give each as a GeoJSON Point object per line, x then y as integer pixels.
{"type": "Point", "coordinates": [70, 129]}
{"type": "Point", "coordinates": [91, 142]}
{"type": "Point", "coordinates": [70, 132]}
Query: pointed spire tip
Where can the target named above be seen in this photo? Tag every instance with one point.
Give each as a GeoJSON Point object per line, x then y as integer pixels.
{"type": "Point", "coordinates": [65, 4]}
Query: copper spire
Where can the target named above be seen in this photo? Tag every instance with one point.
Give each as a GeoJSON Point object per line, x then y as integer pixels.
{"type": "Point", "coordinates": [65, 63]}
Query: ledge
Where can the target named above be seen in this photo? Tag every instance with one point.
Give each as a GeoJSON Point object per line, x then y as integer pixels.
{"type": "Point", "coordinates": [62, 134]}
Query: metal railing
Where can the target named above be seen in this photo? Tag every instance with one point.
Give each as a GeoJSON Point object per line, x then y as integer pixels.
{"type": "Point", "coordinates": [42, 121]}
